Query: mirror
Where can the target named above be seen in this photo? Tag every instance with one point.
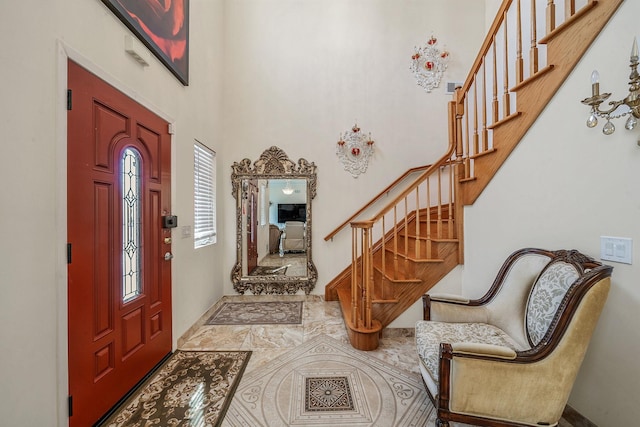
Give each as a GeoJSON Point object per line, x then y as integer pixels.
{"type": "Point", "coordinates": [273, 224]}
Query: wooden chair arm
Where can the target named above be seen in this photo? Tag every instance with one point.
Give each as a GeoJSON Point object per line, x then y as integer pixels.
{"type": "Point", "coordinates": [452, 308]}
{"type": "Point", "coordinates": [486, 350]}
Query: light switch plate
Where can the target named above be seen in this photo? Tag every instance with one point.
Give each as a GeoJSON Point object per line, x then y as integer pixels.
{"type": "Point", "coordinates": [616, 249]}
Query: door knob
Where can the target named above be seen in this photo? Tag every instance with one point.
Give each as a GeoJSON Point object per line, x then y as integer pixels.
{"type": "Point", "coordinates": [168, 256]}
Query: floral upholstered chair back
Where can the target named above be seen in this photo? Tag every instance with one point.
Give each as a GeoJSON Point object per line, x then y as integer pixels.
{"type": "Point", "coordinates": [546, 297]}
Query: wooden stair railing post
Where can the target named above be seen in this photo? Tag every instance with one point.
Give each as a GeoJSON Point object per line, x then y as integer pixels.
{"type": "Point", "coordinates": [519, 59]}
{"type": "Point", "coordinates": [485, 131]}
{"type": "Point", "coordinates": [367, 250]}
{"type": "Point", "coordinates": [494, 101]}
{"type": "Point", "coordinates": [362, 281]}
{"type": "Point", "coordinates": [363, 330]}
{"type": "Point", "coordinates": [506, 96]}
{"type": "Point", "coordinates": [533, 53]}
{"type": "Point", "coordinates": [456, 111]}
{"type": "Point", "coordinates": [569, 8]}
{"type": "Point", "coordinates": [551, 16]}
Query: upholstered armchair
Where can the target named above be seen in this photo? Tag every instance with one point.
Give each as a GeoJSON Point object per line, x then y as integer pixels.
{"type": "Point", "coordinates": [293, 236]}
{"type": "Point", "coordinates": [511, 357]}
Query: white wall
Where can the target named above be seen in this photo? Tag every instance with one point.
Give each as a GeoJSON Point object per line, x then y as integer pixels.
{"type": "Point", "coordinates": [38, 37]}
{"type": "Point", "coordinates": [563, 187]}
{"type": "Point", "coordinates": [298, 73]}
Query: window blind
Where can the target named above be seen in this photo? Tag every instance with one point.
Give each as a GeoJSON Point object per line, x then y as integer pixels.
{"type": "Point", "coordinates": [204, 228]}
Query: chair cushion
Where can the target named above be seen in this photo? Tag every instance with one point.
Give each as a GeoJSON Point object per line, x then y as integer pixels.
{"type": "Point", "coordinates": [430, 334]}
{"type": "Point", "coordinates": [545, 298]}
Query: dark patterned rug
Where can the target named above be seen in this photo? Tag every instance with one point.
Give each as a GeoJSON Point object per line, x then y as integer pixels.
{"type": "Point", "coordinates": [258, 313]}
{"type": "Point", "coordinates": [191, 389]}
{"type": "Point", "coordinates": [269, 271]}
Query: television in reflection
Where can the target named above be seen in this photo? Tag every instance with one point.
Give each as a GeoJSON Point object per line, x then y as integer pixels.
{"type": "Point", "coordinates": [292, 212]}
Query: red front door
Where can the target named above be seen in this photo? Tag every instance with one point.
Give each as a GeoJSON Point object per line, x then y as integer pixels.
{"type": "Point", "coordinates": [119, 291]}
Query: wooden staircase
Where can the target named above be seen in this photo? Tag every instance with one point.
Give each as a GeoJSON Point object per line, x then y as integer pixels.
{"type": "Point", "coordinates": [415, 240]}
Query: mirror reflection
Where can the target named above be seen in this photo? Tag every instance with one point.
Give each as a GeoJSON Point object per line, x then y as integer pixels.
{"type": "Point", "coordinates": [273, 217]}
{"type": "Point", "coordinates": [275, 221]}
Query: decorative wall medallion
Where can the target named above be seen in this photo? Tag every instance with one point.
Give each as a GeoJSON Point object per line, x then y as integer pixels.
{"type": "Point", "coordinates": [428, 64]}
{"type": "Point", "coordinates": [354, 149]}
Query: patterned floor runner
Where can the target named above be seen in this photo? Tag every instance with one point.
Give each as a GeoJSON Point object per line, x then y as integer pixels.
{"type": "Point", "coordinates": [191, 389]}
{"type": "Point", "coordinates": [258, 313]}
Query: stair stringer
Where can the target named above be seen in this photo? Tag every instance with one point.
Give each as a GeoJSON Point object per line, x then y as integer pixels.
{"type": "Point", "coordinates": [565, 47]}
{"type": "Point", "coordinates": [429, 273]}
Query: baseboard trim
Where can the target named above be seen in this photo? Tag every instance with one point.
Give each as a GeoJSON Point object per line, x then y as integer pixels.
{"type": "Point", "coordinates": [575, 419]}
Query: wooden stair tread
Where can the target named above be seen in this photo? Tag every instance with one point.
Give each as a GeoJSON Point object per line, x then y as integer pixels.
{"type": "Point", "coordinates": [507, 119]}
{"type": "Point", "coordinates": [433, 239]}
{"type": "Point", "coordinates": [532, 78]}
{"type": "Point", "coordinates": [484, 153]}
{"type": "Point", "coordinates": [418, 260]}
{"type": "Point", "coordinates": [344, 296]}
{"type": "Point", "coordinates": [398, 280]}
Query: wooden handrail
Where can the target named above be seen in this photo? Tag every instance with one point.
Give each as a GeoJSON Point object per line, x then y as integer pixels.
{"type": "Point", "coordinates": [446, 158]}
{"type": "Point", "coordinates": [373, 200]}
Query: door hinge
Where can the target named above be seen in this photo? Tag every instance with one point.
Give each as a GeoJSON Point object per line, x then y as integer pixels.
{"type": "Point", "coordinates": [68, 253]}
{"type": "Point", "coordinates": [70, 403]}
{"type": "Point", "coordinates": [69, 99]}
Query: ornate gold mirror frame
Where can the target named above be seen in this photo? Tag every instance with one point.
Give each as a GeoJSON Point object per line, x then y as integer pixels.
{"type": "Point", "coordinates": [273, 164]}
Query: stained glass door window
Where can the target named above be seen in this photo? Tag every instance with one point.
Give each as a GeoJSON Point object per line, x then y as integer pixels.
{"type": "Point", "coordinates": [131, 224]}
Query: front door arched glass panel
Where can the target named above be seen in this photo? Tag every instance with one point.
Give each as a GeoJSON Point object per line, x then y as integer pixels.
{"type": "Point", "coordinates": [131, 190]}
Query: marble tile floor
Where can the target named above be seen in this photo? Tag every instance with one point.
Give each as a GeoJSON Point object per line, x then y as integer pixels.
{"type": "Point", "coordinates": [270, 341]}
{"type": "Point", "coordinates": [397, 346]}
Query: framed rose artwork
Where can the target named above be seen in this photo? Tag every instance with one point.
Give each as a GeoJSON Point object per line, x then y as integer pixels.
{"type": "Point", "coordinates": [163, 26]}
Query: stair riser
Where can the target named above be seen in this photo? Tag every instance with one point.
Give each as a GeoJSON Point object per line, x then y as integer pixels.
{"type": "Point", "coordinates": [432, 249]}
{"type": "Point", "coordinates": [407, 294]}
{"type": "Point", "coordinates": [444, 229]}
{"type": "Point", "coordinates": [395, 268]}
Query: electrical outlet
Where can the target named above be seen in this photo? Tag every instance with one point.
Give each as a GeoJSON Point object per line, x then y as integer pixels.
{"type": "Point", "coordinates": [616, 249]}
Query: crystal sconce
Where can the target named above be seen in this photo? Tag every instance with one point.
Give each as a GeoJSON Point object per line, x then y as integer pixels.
{"type": "Point", "coordinates": [354, 149]}
{"type": "Point", "coordinates": [428, 64]}
{"type": "Point", "coordinates": [628, 106]}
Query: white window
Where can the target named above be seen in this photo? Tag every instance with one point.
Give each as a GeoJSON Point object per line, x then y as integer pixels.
{"type": "Point", "coordinates": [264, 204]}
{"type": "Point", "coordinates": [204, 206]}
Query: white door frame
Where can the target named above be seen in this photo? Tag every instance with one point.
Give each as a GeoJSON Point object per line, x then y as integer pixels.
{"type": "Point", "coordinates": [64, 54]}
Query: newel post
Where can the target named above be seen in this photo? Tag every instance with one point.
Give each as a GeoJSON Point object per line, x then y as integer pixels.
{"type": "Point", "coordinates": [361, 273]}
{"type": "Point", "coordinates": [363, 330]}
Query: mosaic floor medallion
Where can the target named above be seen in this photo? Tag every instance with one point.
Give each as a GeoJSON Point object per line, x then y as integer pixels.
{"type": "Point", "coordinates": [328, 394]}
{"type": "Point", "coordinates": [324, 382]}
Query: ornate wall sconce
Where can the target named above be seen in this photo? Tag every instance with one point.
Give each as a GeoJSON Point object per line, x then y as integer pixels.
{"type": "Point", "coordinates": [629, 106]}
{"type": "Point", "coordinates": [428, 64]}
{"type": "Point", "coordinates": [354, 149]}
